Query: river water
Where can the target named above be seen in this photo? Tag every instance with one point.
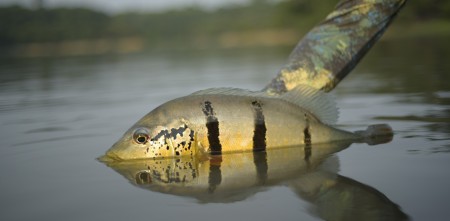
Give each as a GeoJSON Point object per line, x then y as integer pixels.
{"type": "Point", "coordinates": [57, 115]}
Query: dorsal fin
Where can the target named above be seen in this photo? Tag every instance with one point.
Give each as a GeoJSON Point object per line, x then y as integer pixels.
{"type": "Point", "coordinates": [315, 101]}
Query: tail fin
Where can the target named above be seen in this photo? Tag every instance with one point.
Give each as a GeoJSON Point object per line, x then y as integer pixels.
{"type": "Point", "coordinates": [377, 134]}
{"type": "Point", "coordinates": [333, 48]}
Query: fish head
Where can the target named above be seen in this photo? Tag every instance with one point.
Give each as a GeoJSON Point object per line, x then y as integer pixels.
{"type": "Point", "coordinates": [161, 174]}
{"type": "Point", "coordinates": [150, 142]}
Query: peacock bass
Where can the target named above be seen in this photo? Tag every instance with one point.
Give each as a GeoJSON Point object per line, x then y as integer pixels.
{"type": "Point", "coordinates": [225, 120]}
{"type": "Point", "coordinates": [291, 110]}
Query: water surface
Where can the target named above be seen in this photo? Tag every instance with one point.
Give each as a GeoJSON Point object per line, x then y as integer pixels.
{"type": "Point", "coordinates": [57, 115]}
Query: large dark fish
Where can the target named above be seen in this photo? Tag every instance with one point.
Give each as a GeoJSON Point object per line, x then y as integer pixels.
{"type": "Point", "coordinates": [292, 110]}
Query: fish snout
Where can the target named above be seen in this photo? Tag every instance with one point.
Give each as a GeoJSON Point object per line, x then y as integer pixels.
{"type": "Point", "coordinates": [113, 154]}
{"type": "Point", "coordinates": [110, 156]}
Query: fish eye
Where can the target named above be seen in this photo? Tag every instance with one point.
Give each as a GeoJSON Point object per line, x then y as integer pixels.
{"type": "Point", "coordinates": [143, 178]}
{"type": "Point", "coordinates": [141, 136]}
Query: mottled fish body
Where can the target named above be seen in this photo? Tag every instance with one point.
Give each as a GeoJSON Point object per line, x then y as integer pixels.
{"type": "Point", "coordinates": [217, 121]}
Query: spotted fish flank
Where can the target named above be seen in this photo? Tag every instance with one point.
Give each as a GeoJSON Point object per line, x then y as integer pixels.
{"type": "Point", "coordinates": [159, 172]}
{"type": "Point", "coordinates": [182, 139]}
{"type": "Point", "coordinates": [212, 124]}
{"type": "Point", "coordinates": [175, 140]}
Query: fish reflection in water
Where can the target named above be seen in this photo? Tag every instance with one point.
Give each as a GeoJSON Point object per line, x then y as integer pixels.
{"type": "Point", "coordinates": [311, 172]}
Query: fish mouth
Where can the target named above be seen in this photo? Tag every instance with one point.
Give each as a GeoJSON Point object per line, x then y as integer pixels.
{"type": "Point", "coordinates": [109, 157]}
{"type": "Point", "coordinates": [113, 154]}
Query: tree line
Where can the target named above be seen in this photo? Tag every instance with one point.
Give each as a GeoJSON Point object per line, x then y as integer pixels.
{"type": "Point", "coordinates": [20, 25]}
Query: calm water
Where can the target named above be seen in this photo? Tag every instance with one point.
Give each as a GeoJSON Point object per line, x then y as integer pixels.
{"type": "Point", "coordinates": [58, 115]}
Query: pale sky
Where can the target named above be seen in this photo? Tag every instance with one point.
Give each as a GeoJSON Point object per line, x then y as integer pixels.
{"type": "Point", "coordinates": [124, 5]}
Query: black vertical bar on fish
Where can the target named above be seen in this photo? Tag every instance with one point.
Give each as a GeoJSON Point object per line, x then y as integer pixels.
{"type": "Point", "coordinates": [307, 139]}
{"type": "Point", "coordinates": [212, 125]}
{"type": "Point", "coordinates": [259, 133]}
{"type": "Point", "coordinates": [308, 152]}
{"type": "Point", "coordinates": [215, 174]}
{"type": "Point", "coordinates": [259, 143]}
{"type": "Point", "coordinates": [307, 134]}
{"type": "Point", "coordinates": [260, 160]}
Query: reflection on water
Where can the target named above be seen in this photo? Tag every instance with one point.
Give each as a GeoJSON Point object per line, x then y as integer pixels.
{"type": "Point", "coordinates": [310, 172]}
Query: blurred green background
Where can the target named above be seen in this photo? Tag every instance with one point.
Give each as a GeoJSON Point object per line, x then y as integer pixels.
{"type": "Point", "coordinates": [55, 31]}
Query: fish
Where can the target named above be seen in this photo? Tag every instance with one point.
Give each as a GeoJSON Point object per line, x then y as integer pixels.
{"type": "Point", "coordinates": [310, 172]}
{"type": "Point", "coordinates": [226, 120]}
{"type": "Point", "coordinates": [291, 110]}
